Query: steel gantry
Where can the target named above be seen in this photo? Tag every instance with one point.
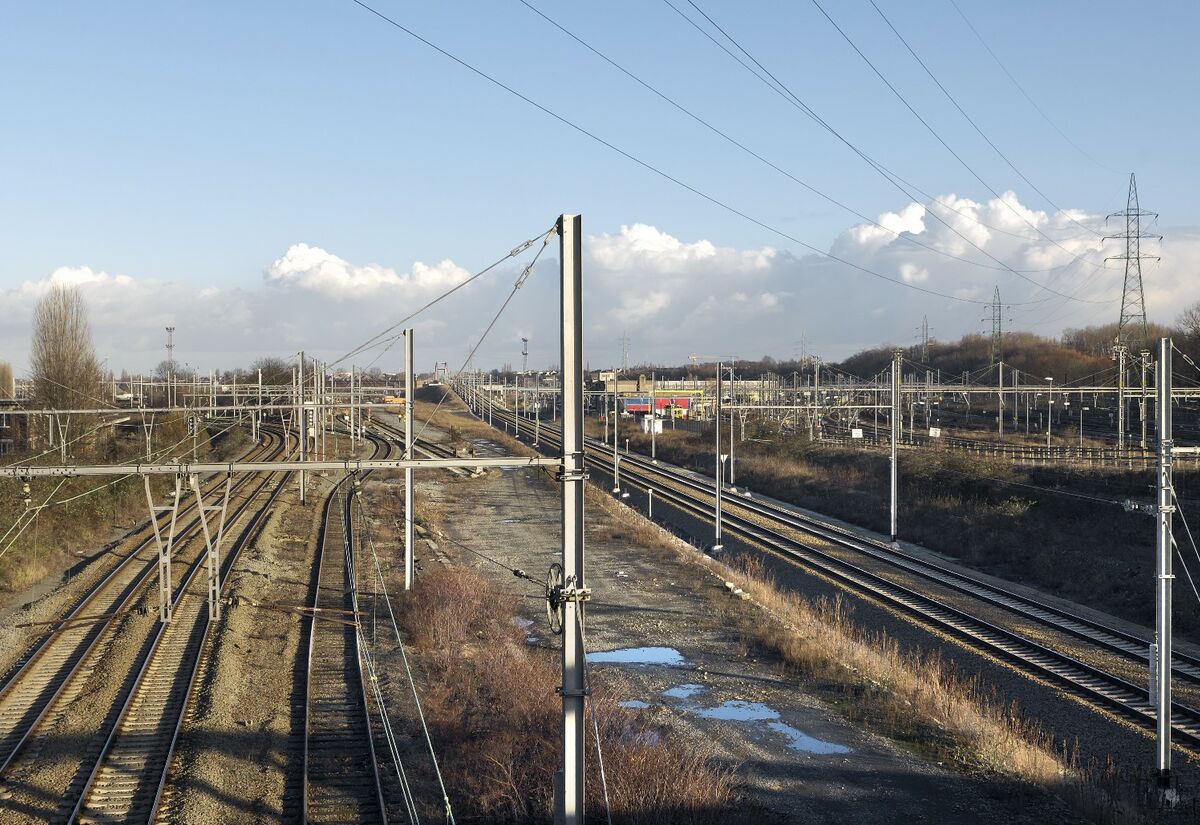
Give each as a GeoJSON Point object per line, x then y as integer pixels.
{"type": "Point", "coordinates": [571, 592]}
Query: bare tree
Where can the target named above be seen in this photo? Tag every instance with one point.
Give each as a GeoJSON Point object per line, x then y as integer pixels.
{"type": "Point", "coordinates": [8, 387]}
{"type": "Point", "coordinates": [1189, 321]}
{"type": "Point", "coordinates": [65, 371]}
{"type": "Point", "coordinates": [274, 371]}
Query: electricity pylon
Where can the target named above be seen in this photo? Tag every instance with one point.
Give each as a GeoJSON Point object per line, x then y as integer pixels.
{"type": "Point", "coordinates": [997, 319]}
{"type": "Point", "coordinates": [1131, 327]}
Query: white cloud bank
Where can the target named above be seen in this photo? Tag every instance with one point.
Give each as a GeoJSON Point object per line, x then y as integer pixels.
{"type": "Point", "coordinates": [312, 268]}
{"type": "Point", "coordinates": [670, 295]}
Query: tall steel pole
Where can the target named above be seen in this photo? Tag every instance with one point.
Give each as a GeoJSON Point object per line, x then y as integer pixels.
{"type": "Point", "coordinates": [303, 424]}
{"type": "Point", "coordinates": [653, 418]}
{"type": "Point", "coordinates": [733, 398]}
{"type": "Point", "coordinates": [816, 415]}
{"type": "Point", "coordinates": [1142, 398]}
{"type": "Point", "coordinates": [258, 413]}
{"type": "Point", "coordinates": [1000, 408]}
{"type": "Point", "coordinates": [720, 463]}
{"type": "Point", "coordinates": [1163, 576]}
{"type": "Point", "coordinates": [1121, 349]}
{"type": "Point", "coordinates": [1049, 414]}
{"type": "Point", "coordinates": [616, 416]}
{"type": "Point", "coordinates": [896, 363]}
{"type": "Point", "coordinates": [410, 388]}
{"type": "Point", "coordinates": [569, 802]}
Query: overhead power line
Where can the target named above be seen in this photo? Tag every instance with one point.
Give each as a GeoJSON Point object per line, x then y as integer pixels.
{"type": "Point", "coordinates": [1026, 94]}
{"type": "Point", "coordinates": [937, 136]}
{"type": "Point", "coordinates": [790, 97]}
{"type": "Point", "coordinates": [904, 236]}
{"type": "Point", "coordinates": [375, 339]}
{"type": "Point", "coordinates": [975, 125]}
{"type": "Point", "coordinates": [659, 172]}
{"type": "Point", "coordinates": [891, 177]}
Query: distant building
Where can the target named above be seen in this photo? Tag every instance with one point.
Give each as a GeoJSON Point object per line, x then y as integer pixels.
{"type": "Point", "coordinates": [14, 429]}
{"type": "Point", "coordinates": [668, 406]}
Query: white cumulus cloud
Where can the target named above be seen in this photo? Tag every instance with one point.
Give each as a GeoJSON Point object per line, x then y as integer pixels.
{"type": "Point", "coordinates": [671, 294]}
{"type": "Point", "coordinates": [312, 268]}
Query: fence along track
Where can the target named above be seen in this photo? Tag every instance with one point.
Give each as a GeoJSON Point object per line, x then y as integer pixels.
{"type": "Point", "coordinates": [57, 664]}
{"type": "Point", "coordinates": [341, 773]}
{"type": "Point", "coordinates": [127, 780]}
{"type": "Point", "coordinates": [1096, 685]}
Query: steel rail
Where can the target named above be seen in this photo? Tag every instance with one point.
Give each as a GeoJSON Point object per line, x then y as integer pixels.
{"type": "Point", "coordinates": [1113, 692]}
{"type": "Point", "coordinates": [1112, 639]}
{"type": "Point", "coordinates": [17, 725]}
{"type": "Point", "coordinates": [1118, 694]}
{"type": "Point", "coordinates": [335, 776]}
{"type": "Point", "coordinates": [152, 748]}
{"type": "Point", "coordinates": [104, 578]}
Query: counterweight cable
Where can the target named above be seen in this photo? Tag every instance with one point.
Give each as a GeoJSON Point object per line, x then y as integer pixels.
{"type": "Point", "coordinates": [364, 520]}
{"type": "Point", "coordinates": [375, 340]}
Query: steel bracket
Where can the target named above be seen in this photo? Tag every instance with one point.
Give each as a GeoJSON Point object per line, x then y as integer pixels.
{"type": "Point", "coordinates": [571, 593]}
{"type": "Point", "coordinates": [575, 693]}
{"type": "Point", "coordinates": [213, 544]}
{"type": "Point", "coordinates": [1144, 507]}
{"type": "Point", "coordinates": [164, 548]}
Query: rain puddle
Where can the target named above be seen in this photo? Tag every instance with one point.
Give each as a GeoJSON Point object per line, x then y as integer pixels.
{"type": "Point", "coordinates": [637, 704]}
{"type": "Point", "coordinates": [526, 625]}
{"type": "Point", "coordinates": [738, 710]}
{"type": "Point", "coordinates": [800, 741]}
{"type": "Point", "coordinates": [639, 656]}
{"type": "Point", "coordinates": [684, 691]}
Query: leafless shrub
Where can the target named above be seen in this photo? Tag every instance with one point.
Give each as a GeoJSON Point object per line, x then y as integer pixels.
{"type": "Point", "coordinates": [492, 703]}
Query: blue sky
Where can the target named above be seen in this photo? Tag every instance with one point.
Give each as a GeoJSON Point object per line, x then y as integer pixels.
{"type": "Point", "coordinates": [194, 144]}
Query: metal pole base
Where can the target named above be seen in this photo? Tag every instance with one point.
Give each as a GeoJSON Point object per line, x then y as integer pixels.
{"type": "Point", "coordinates": [559, 814]}
{"type": "Point", "coordinates": [1168, 794]}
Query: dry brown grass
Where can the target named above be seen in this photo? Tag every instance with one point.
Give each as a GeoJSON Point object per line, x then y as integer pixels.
{"type": "Point", "coordinates": [62, 533]}
{"type": "Point", "coordinates": [962, 505]}
{"type": "Point", "coordinates": [490, 700]}
{"type": "Point", "coordinates": [916, 698]}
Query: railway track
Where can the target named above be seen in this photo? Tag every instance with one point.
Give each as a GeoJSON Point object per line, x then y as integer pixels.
{"type": "Point", "coordinates": [341, 772]}
{"type": "Point", "coordinates": [762, 523]}
{"type": "Point", "coordinates": [56, 666]}
{"type": "Point", "coordinates": [127, 778]}
{"type": "Point", "coordinates": [421, 446]}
